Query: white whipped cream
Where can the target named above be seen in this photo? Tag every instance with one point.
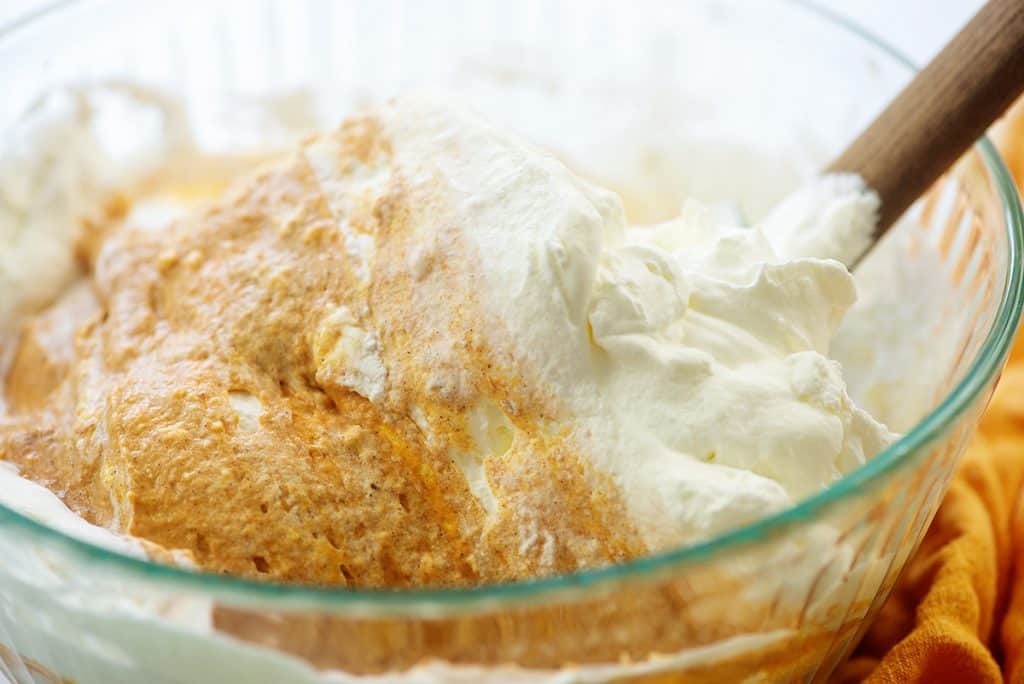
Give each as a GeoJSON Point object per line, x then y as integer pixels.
{"type": "Point", "coordinates": [831, 217]}
{"type": "Point", "coordinates": [901, 339]}
{"type": "Point", "coordinates": [74, 149]}
{"type": "Point", "coordinates": [42, 505]}
{"type": "Point", "coordinates": [690, 357]}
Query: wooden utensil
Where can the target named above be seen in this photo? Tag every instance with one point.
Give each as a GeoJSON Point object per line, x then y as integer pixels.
{"type": "Point", "coordinates": [942, 112]}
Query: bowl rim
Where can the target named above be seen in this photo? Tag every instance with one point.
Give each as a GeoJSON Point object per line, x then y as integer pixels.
{"type": "Point", "coordinates": [987, 364]}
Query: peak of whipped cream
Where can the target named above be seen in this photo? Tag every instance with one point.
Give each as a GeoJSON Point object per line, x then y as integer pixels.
{"type": "Point", "coordinates": [687, 361]}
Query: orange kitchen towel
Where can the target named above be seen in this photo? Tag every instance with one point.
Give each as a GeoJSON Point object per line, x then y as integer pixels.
{"type": "Point", "coordinates": [957, 613]}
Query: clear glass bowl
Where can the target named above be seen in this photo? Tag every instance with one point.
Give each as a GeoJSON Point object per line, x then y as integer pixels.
{"type": "Point", "coordinates": [628, 93]}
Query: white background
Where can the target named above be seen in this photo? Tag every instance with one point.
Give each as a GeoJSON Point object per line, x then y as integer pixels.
{"type": "Point", "coordinates": [917, 27]}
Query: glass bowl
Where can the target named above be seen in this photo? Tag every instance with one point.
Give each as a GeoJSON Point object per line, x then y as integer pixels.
{"type": "Point", "coordinates": [720, 99]}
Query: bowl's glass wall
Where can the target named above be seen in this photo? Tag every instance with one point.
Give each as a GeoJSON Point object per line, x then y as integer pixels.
{"type": "Point", "coordinates": [630, 94]}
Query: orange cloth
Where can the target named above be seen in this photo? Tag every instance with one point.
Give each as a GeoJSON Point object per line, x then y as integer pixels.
{"type": "Point", "coordinates": [957, 613]}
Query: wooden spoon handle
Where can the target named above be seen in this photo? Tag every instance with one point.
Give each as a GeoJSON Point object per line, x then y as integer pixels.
{"type": "Point", "coordinates": [943, 111]}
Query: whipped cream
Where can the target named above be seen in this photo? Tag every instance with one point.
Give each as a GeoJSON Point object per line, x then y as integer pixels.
{"type": "Point", "coordinates": [76, 148]}
{"type": "Point", "coordinates": [688, 359]}
{"type": "Point", "coordinates": [900, 339]}
{"type": "Point", "coordinates": [42, 505]}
